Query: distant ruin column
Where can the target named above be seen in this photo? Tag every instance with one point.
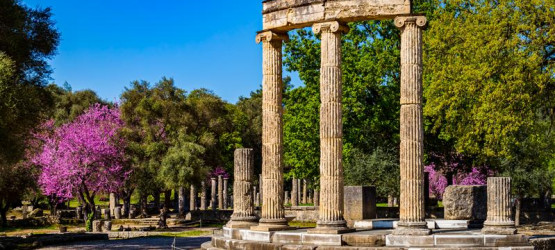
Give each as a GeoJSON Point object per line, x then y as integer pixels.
{"type": "Point", "coordinates": [499, 207]}
{"type": "Point", "coordinates": [181, 201]}
{"type": "Point", "coordinates": [330, 215]}
{"type": "Point", "coordinates": [273, 214]}
{"type": "Point", "coordinates": [299, 193]}
{"type": "Point", "coordinates": [304, 192]}
{"type": "Point", "coordinates": [294, 193]}
{"type": "Point", "coordinates": [193, 198]}
{"type": "Point", "coordinates": [203, 195]}
{"type": "Point", "coordinates": [220, 192]}
{"type": "Point", "coordinates": [243, 208]}
{"type": "Point", "coordinates": [412, 209]}
{"type": "Point", "coordinates": [225, 197]}
{"type": "Point", "coordinates": [286, 198]}
{"type": "Point", "coordinates": [254, 195]}
{"type": "Point", "coordinates": [112, 202]}
{"type": "Point", "coordinates": [213, 193]}
{"type": "Point", "coordinates": [316, 197]}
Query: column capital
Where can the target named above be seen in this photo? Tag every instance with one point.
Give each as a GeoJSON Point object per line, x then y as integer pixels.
{"type": "Point", "coordinates": [332, 27]}
{"type": "Point", "coordinates": [420, 21]}
{"type": "Point", "coordinates": [268, 36]}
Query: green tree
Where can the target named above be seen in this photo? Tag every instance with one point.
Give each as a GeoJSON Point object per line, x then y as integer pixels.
{"type": "Point", "coordinates": [490, 83]}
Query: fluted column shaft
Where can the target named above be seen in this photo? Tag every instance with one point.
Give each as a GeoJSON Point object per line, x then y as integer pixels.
{"type": "Point", "coordinates": [193, 198]}
{"type": "Point", "coordinates": [331, 127]}
{"type": "Point", "coordinates": [203, 195]}
{"type": "Point", "coordinates": [273, 214]}
{"type": "Point", "coordinates": [304, 192]}
{"type": "Point", "coordinates": [213, 194]}
{"type": "Point", "coordinates": [220, 192]}
{"type": "Point", "coordinates": [499, 216]}
{"type": "Point", "coordinates": [412, 207]}
{"type": "Point", "coordinates": [316, 198]}
{"type": "Point", "coordinates": [243, 207]}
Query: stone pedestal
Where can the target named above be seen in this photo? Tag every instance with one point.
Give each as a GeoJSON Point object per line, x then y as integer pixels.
{"type": "Point", "coordinates": [243, 213]}
{"type": "Point", "coordinates": [294, 193]}
{"type": "Point", "coordinates": [213, 193]}
{"type": "Point", "coordinates": [203, 195]}
{"type": "Point", "coordinates": [273, 214]}
{"type": "Point", "coordinates": [193, 198]}
{"type": "Point", "coordinates": [330, 213]}
{"type": "Point", "coordinates": [412, 206]}
{"type": "Point", "coordinates": [499, 207]}
{"type": "Point", "coordinates": [225, 196]}
{"type": "Point", "coordinates": [465, 203]}
{"type": "Point", "coordinates": [360, 203]}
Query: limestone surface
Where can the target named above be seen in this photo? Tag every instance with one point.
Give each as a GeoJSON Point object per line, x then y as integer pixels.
{"type": "Point", "coordinates": [465, 203]}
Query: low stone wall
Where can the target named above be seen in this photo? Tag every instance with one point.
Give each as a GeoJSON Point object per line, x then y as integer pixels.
{"type": "Point", "coordinates": [543, 243]}
{"type": "Point", "coordinates": [35, 241]}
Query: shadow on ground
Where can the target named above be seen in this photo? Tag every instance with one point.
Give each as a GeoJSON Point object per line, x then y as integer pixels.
{"type": "Point", "coordinates": [137, 243]}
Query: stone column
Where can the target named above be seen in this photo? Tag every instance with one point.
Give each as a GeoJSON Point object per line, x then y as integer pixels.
{"type": "Point", "coordinates": [243, 208]}
{"type": "Point", "coordinates": [286, 197]}
{"type": "Point", "coordinates": [254, 195]}
{"type": "Point", "coordinates": [181, 201]}
{"type": "Point", "coordinates": [213, 193]}
{"type": "Point", "coordinates": [220, 192]}
{"type": "Point", "coordinates": [203, 195]}
{"type": "Point", "coordinates": [225, 197]}
{"type": "Point", "coordinates": [193, 198]}
{"type": "Point", "coordinates": [316, 198]}
{"type": "Point", "coordinates": [299, 193]}
{"type": "Point", "coordinates": [305, 200]}
{"type": "Point", "coordinates": [499, 207]}
{"type": "Point", "coordinates": [330, 213]}
{"type": "Point", "coordinates": [273, 214]}
{"type": "Point", "coordinates": [112, 202]}
{"type": "Point", "coordinates": [294, 193]}
{"type": "Point", "coordinates": [412, 212]}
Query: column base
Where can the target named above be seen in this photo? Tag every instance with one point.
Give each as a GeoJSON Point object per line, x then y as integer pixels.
{"type": "Point", "coordinates": [500, 230]}
{"type": "Point", "coordinates": [270, 225]}
{"type": "Point", "coordinates": [241, 224]}
{"type": "Point", "coordinates": [332, 227]}
{"type": "Point", "coordinates": [412, 228]}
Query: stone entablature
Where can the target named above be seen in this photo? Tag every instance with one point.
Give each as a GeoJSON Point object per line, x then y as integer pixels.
{"type": "Point", "coordinates": [284, 15]}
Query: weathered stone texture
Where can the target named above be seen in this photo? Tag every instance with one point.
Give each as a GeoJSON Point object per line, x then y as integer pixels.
{"type": "Point", "coordinates": [243, 207]}
{"type": "Point", "coordinates": [203, 195]}
{"type": "Point", "coordinates": [499, 215]}
{"type": "Point", "coordinates": [292, 14]}
{"type": "Point", "coordinates": [412, 207]}
{"type": "Point", "coordinates": [213, 199]}
{"type": "Point", "coordinates": [225, 195]}
{"type": "Point", "coordinates": [360, 203]}
{"type": "Point", "coordinates": [220, 192]}
{"type": "Point", "coordinates": [465, 203]}
{"type": "Point", "coordinates": [294, 193]}
{"type": "Point", "coordinates": [193, 198]}
{"type": "Point", "coordinates": [272, 131]}
{"type": "Point", "coordinates": [331, 127]}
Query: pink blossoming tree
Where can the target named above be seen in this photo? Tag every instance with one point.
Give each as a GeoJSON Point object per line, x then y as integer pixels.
{"type": "Point", "coordinates": [84, 157]}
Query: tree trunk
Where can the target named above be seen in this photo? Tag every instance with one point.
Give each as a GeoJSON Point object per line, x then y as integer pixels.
{"type": "Point", "coordinates": [144, 211]}
{"type": "Point", "coordinates": [168, 199]}
{"type": "Point", "coordinates": [3, 217]}
{"type": "Point", "coordinates": [126, 205]}
{"type": "Point", "coordinates": [157, 200]}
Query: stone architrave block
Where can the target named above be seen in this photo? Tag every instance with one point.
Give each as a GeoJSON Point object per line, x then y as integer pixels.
{"type": "Point", "coordinates": [360, 202]}
{"type": "Point", "coordinates": [465, 203]}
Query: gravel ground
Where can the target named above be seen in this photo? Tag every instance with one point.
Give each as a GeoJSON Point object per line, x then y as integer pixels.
{"type": "Point", "coordinates": [137, 243]}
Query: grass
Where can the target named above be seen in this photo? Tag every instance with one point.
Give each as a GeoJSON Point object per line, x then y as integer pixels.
{"type": "Point", "coordinates": [302, 224]}
{"type": "Point", "coordinates": [37, 230]}
{"type": "Point", "coordinates": [381, 204]}
{"type": "Point", "coordinates": [192, 233]}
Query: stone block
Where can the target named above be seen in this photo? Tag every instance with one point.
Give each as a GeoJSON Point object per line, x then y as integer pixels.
{"type": "Point", "coordinates": [409, 241]}
{"type": "Point", "coordinates": [376, 224]}
{"type": "Point", "coordinates": [298, 247]}
{"type": "Point", "coordinates": [451, 224]}
{"type": "Point", "coordinates": [260, 236]}
{"type": "Point", "coordinates": [364, 240]}
{"type": "Point", "coordinates": [322, 239]}
{"type": "Point", "coordinates": [465, 203]}
{"type": "Point", "coordinates": [459, 240]}
{"type": "Point", "coordinates": [287, 237]}
{"type": "Point", "coordinates": [505, 240]}
{"type": "Point", "coordinates": [360, 202]}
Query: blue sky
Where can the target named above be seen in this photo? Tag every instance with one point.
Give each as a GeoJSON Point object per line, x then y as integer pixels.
{"type": "Point", "coordinates": [106, 44]}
